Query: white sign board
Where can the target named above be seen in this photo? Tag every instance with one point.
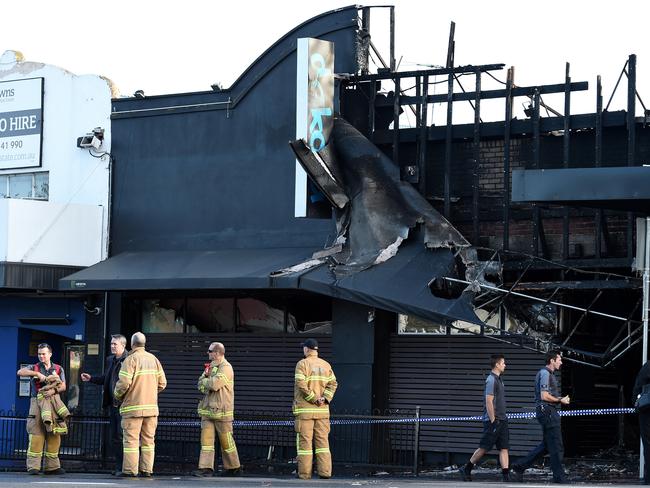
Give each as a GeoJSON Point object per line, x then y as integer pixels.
{"type": "Point", "coordinates": [21, 123]}
{"type": "Point", "coordinates": [314, 105]}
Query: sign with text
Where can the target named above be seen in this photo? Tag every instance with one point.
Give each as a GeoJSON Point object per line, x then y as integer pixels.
{"type": "Point", "coordinates": [21, 123]}
{"type": "Point", "coordinates": [314, 105]}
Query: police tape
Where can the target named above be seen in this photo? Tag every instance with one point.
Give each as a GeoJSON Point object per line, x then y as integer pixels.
{"type": "Point", "coordinates": [357, 421]}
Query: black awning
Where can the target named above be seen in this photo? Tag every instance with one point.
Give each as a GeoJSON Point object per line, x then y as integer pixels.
{"type": "Point", "coordinates": [170, 270]}
{"type": "Point", "coordinates": [400, 284]}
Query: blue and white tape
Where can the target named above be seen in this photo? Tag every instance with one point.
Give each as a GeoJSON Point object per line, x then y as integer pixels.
{"type": "Point", "coordinates": [391, 420]}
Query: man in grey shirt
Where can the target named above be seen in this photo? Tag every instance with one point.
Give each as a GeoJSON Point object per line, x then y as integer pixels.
{"type": "Point", "coordinates": [495, 421]}
{"type": "Point", "coordinates": [547, 403]}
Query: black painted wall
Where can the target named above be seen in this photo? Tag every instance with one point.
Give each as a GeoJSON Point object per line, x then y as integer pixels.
{"type": "Point", "coordinates": [220, 175]}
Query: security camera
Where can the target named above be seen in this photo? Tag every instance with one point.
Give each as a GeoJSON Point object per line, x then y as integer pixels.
{"type": "Point", "coordinates": [98, 132]}
{"type": "Point", "coordinates": [89, 140]}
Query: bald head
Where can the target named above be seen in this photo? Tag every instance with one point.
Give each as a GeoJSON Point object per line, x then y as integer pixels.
{"type": "Point", "coordinates": [218, 348]}
{"type": "Point", "coordinates": [138, 340]}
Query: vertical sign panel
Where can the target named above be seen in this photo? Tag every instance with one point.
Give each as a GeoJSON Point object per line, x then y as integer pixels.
{"type": "Point", "coordinates": [314, 105]}
{"type": "Point", "coordinates": [21, 123]}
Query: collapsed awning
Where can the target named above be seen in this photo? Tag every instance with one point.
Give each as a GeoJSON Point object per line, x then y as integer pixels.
{"type": "Point", "coordinates": [400, 284]}
{"type": "Point", "coordinates": [171, 270]}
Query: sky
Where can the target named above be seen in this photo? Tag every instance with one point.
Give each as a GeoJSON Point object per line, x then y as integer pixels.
{"type": "Point", "coordinates": [171, 47]}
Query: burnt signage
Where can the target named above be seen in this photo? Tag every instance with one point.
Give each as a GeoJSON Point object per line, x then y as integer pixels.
{"type": "Point", "coordinates": [21, 123]}
{"type": "Point", "coordinates": [314, 105]}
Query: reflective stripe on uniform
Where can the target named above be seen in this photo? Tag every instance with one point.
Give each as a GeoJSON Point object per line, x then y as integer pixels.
{"type": "Point", "coordinates": [131, 408]}
{"type": "Point", "coordinates": [148, 448]}
{"type": "Point", "coordinates": [51, 455]}
{"type": "Point", "coordinates": [299, 376]}
{"type": "Point", "coordinates": [301, 452]}
{"type": "Point", "coordinates": [322, 450]}
{"type": "Point", "coordinates": [324, 409]}
{"type": "Point", "coordinates": [320, 378]}
{"type": "Point", "coordinates": [207, 448]}
{"type": "Point", "coordinates": [129, 449]}
{"type": "Point", "coordinates": [231, 443]}
{"type": "Point", "coordinates": [213, 415]}
{"type": "Point", "coordinates": [60, 430]}
{"type": "Point", "coordinates": [310, 396]}
{"type": "Point", "coordinates": [225, 378]}
{"type": "Point", "coordinates": [144, 372]}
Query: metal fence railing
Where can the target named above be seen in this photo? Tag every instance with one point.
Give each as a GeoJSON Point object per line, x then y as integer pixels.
{"type": "Point", "coordinates": [263, 438]}
{"type": "Point", "coordinates": [385, 440]}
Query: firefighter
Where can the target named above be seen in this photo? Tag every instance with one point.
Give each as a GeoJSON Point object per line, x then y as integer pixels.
{"type": "Point", "coordinates": [141, 378]}
{"type": "Point", "coordinates": [217, 383]}
{"type": "Point", "coordinates": [40, 438]}
{"type": "Point", "coordinates": [314, 389]}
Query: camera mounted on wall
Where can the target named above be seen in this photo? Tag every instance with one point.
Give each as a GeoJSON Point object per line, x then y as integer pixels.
{"type": "Point", "coordinates": [92, 139]}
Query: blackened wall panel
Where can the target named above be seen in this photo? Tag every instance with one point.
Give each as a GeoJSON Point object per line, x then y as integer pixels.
{"type": "Point", "coordinates": [445, 376]}
{"type": "Point", "coordinates": [264, 368]}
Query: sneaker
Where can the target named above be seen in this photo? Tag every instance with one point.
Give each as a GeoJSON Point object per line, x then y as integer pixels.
{"type": "Point", "coordinates": [516, 473]}
{"type": "Point", "coordinates": [33, 471]}
{"type": "Point", "coordinates": [56, 471]}
{"type": "Point", "coordinates": [229, 473]}
{"type": "Point", "coordinates": [203, 472]}
{"type": "Point", "coordinates": [465, 474]}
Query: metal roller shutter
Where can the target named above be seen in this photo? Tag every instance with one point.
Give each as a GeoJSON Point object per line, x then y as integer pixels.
{"type": "Point", "coordinates": [445, 376]}
{"type": "Point", "coordinates": [264, 367]}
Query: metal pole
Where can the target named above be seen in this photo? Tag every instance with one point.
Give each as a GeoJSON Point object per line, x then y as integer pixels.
{"type": "Point", "coordinates": [416, 443]}
{"type": "Point", "coordinates": [646, 289]}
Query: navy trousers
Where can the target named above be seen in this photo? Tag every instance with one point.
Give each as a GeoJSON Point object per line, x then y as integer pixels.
{"type": "Point", "coordinates": [552, 444]}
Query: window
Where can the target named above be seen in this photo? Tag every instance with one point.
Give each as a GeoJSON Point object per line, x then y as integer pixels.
{"type": "Point", "coordinates": [408, 324]}
{"type": "Point", "coordinates": [34, 186]}
{"type": "Point", "coordinates": [261, 313]}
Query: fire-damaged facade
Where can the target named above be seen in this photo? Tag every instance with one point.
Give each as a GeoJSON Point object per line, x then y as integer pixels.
{"type": "Point", "coordinates": [252, 216]}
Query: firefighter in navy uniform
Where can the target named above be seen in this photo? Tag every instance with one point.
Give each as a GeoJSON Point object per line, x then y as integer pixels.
{"type": "Point", "coordinates": [314, 389]}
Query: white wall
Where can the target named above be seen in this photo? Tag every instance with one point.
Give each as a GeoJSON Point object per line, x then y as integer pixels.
{"type": "Point", "coordinates": [72, 106]}
{"type": "Point", "coordinates": [50, 233]}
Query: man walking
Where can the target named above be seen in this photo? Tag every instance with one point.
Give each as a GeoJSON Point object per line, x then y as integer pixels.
{"type": "Point", "coordinates": [495, 422]}
{"type": "Point", "coordinates": [217, 383]}
{"type": "Point", "coordinates": [39, 437]}
{"type": "Point", "coordinates": [314, 389]}
{"type": "Point", "coordinates": [641, 381]}
{"type": "Point", "coordinates": [108, 380]}
{"type": "Point", "coordinates": [141, 378]}
{"type": "Point", "coordinates": [548, 401]}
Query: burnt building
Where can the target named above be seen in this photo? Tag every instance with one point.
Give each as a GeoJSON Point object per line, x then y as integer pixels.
{"type": "Point", "coordinates": [410, 253]}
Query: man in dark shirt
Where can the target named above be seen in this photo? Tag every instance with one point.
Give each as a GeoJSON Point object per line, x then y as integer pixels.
{"type": "Point", "coordinates": [547, 403]}
{"type": "Point", "coordinates": [108, 381]}
{"type": "Point", "coordinates": [495, 422]}
{"type": "Point", "coordinates": [642, 379]}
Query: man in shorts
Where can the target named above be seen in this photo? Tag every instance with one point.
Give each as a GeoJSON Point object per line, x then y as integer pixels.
{"type": "Point", "coordinates": [495, 422]}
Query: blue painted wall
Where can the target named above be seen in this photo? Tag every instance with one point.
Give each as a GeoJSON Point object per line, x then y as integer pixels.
{"type": "Point", "coordinates": [16, 338]}
{"type": "Point", "coordinates": [204, 178]}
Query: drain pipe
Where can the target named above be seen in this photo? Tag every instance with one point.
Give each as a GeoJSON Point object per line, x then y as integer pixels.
{"type": "Point", "coordinates": [646, 291]}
